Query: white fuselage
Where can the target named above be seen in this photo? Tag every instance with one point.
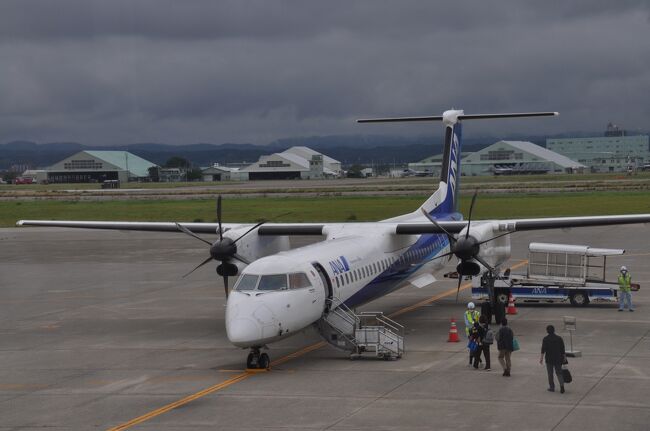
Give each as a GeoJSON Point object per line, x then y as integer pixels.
{"type": "Point", "coordinates": [353, 265]}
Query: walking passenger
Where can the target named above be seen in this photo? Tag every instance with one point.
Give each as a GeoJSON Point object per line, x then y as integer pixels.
{"type": "Point", "coordinates": [505, 338]}
{"type": "Point", "coordinates": [487, 338]}
{"type": "Point", "coordinates": [553, 351]}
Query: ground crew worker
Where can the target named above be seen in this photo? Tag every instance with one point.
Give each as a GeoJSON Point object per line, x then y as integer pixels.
{"type": "Point", "coordinates": [471, 317]}
{"type": "Point", "coordinates": [624, 290]}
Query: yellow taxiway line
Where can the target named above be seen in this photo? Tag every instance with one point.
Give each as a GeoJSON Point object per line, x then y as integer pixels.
{"type": "Point", "coordinates": [246, 374]}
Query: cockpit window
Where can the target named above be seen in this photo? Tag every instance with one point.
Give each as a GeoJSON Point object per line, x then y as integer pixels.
{"type": "Point", "coordinates": [273, 282]}
{"type": "Point", "coordinates": [247, 282]}
{"type": "Point", "coordinates": [298, 280]}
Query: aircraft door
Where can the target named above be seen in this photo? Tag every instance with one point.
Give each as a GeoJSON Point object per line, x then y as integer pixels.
{"type": "Point", "coordinates": [325, 280]}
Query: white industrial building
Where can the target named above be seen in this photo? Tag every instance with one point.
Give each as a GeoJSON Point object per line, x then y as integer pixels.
{"type": "Point", "coordinates": [615, 151]}
{"type": "Point", "coordinates": [294, 163]}
{"type": "Point", "coordinates": [217, 172]}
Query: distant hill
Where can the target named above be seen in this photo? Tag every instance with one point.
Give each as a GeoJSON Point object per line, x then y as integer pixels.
{"type": "Point", "coordinates": [349, 149]}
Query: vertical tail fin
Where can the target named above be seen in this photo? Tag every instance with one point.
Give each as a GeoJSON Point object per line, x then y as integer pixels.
{"type": "Point", "coordinates": [447, 203]}
{"type": "Point", "coordinates": [444, 201]}
{"type": "Point", "coordinates": [445, 198]}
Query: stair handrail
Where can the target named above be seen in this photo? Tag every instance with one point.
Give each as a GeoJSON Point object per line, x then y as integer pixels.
{"type": "Point", "coordinates": [346, 313]}
{"type": "Point", "coordinates": [384, 321]}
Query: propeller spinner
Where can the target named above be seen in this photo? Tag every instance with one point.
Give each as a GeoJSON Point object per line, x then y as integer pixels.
{"type": "Point", "coordinates": [223, 250]}
{"type": "Point", "coordinates": [466, 248]}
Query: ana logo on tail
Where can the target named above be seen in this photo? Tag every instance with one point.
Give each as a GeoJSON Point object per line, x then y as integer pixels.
{"type": "Point", "coordinates": [453, 164]}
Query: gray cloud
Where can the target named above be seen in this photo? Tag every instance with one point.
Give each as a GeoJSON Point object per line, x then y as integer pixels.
{"type": "Point", "coordinates": [242, 71]}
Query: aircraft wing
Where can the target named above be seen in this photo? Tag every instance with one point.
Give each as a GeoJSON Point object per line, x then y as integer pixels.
{"type": "Point", "coordinates": [275, 229]}
{"type": "Point", "coordinates": [516, 225]}
{"type": "Point", "coordinates": [126, 225]}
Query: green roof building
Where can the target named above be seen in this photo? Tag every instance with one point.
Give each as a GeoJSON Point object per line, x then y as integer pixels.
{"type": "Point", "coordinates": [98, 166]}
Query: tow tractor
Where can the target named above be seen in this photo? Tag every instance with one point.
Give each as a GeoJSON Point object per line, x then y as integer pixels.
{"type": "Point", "coordinates": [555, 272]}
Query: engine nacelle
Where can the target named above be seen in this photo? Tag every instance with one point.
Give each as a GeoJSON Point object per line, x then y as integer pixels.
{"type": "Point", "coordinates": [495, 252]}
{"type": "Point", "coordinates": [468, 267]}
{"type": "Point", "coordinates": [253, 246]}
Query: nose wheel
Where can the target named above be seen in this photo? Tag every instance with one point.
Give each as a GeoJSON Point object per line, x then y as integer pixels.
{"type": "Point", "coordinates": [255, 360]}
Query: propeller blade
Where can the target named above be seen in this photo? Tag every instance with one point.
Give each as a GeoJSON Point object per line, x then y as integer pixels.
{"type": "Point", "coordinates": [471, 208]}
{"type": "Point", "coordinates": [451, 238]}
{"type": "Point", "coordinates": [440, 257]}
{"type": "Point", "coordinates": [494, 237]}
{"type": "Point", "coordinates": [198, 266]}
{"type": "Point", "coordinates": [219, 217]}
{"type": "Point", "coordinates": [225, 284]}
{"type": "Point", "coordinates": [192, 234]}
{"type": "Point", "coordinates": [460, 280]}
{"type": "Point", "coordinates": [249, 231]}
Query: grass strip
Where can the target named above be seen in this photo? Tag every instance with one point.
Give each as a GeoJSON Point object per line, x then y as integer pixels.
{"type": "Point", "coordinates": [324, 209]}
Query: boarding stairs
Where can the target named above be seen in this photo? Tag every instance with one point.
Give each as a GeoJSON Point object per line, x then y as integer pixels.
{"type": "Point", "coordinates": [366, 332]}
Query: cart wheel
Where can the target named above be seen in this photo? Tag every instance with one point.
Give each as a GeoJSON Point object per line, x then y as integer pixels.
{"type": "Point", "coordinates": [579, 299]}
{"type": "Point", "coordinates": [502, 297]}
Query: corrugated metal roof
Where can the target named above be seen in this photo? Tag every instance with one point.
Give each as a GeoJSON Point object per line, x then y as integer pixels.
{"type": "Point", "coordinates": [137, 166]}
{"type": "Point", "coordinates": [544, 153]}
{"type": "Point", "coordinates": [306, 153]}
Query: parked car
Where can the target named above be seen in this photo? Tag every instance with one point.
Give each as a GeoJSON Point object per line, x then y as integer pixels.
{"type": "Point", "coordinates": [24, 180]}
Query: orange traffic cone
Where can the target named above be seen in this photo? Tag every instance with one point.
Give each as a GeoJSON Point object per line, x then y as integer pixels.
{"type": "Point", "coordinates": [453, 332]}
{"type": "Point", "coordinates": [511, 305]}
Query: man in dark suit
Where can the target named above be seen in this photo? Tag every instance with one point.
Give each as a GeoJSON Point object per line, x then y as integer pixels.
{"type": "Point", "coordinates": [553, 351]}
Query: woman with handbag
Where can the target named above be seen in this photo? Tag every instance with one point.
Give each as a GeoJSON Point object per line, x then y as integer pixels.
{"type": "Point", "coordinates": [505, 338]}
{"type": "Point", "coordinates": [553, 351]}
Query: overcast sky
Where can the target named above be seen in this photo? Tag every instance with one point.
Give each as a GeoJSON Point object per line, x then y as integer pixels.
{"type": "Point", "coordinates": [119, 72]}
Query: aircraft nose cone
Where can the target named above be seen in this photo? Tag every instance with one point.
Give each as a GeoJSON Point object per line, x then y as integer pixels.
{"type": "Point", "coordinates": [243, 332]}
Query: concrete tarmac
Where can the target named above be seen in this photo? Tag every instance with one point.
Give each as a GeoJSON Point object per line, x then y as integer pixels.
{"type": "Point", "coordinates": [99, 331]}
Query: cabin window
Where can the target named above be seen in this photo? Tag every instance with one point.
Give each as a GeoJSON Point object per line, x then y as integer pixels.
{"type": "Point", "coordinates": [347, 278]}
{"type": "Point", "coordinates": [298, 280]}
{"type": "Point", "coordinates": [247, 282]}
{"type": "Point", "coordinates": [273, 282]}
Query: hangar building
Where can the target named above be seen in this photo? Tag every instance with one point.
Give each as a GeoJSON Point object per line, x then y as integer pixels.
{"type": "Point", "coordinates": [98, 166]}
{"type": "Point", "coordinates": [517, 157]}
{"type": "Point", "coordinates": [503, 158]}
{"type": "Point", "coordinates": [294, 163]}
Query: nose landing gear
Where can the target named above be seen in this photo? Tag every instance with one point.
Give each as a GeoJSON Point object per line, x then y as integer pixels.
{"type": "Point", "coordinates": [258, 361]}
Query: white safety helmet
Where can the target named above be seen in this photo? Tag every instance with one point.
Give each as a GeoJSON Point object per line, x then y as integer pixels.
{"type": "Point", "coordinates": [470, 305]}
{"type": "Point", "coordinates": [623, 268]}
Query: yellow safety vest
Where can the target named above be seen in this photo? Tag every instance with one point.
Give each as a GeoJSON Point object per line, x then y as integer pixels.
{"type": "Point", "coordinates": [471, 316]}
{"type": "Point", "coordinates": [624, 282]}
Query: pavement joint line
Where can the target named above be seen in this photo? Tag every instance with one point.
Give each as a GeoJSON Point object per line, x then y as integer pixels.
{"type": "Point", "coordinates": [243, 376]}
{"type": "Point", "coordinates": [600, 380]}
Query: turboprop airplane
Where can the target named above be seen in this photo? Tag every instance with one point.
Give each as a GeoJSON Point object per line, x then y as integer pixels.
{"type": "Point", "coordinates": [281, 291]}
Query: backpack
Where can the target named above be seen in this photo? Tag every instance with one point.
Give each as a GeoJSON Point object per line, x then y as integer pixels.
{"type": "Point", "coordinates": [489, 337]}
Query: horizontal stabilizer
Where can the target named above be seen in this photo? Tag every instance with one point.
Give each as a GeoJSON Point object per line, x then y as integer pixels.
{"type": "Point", "coordinates": [460, 117]}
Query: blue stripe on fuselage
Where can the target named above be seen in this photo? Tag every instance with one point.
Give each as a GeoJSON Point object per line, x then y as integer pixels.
{"type": "Point", "coordinates": [425, 248]}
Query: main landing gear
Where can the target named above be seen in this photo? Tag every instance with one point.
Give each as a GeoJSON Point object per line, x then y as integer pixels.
{"type": "Point", "coordinates": [255, 360]}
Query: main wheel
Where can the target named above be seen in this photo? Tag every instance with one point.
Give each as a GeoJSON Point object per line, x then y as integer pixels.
{"type": "Point", "coordinates": [264, 362]}
{"type": "Point", "coordinates": [579, 299]}
{"type": "Point", "coordinates": [250, 361]}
